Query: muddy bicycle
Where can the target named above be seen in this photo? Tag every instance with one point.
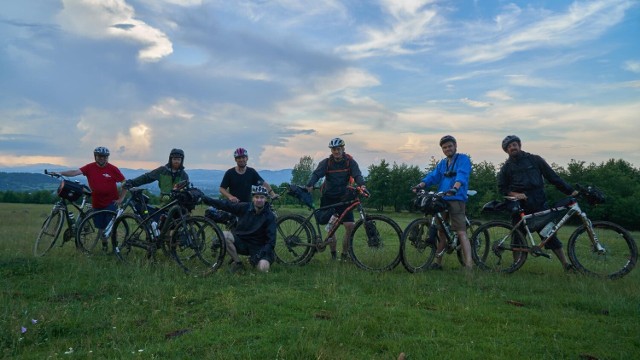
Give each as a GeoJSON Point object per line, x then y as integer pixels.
{"type": "Point", "coordinates": [375, 240]}
{"type": "Point", "coordinates": [420, 238]}
{"type": "Point", "coordinates": [68, 192]}
{"type": "Point", "coordinates": [599, 248]}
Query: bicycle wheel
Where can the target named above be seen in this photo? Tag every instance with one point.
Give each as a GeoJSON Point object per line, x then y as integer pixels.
{"type": "Point", "coordinates": [497, 247]}
{"type": "Point", "coordinates": [133, 242]}
{"type": "Point", "coordinates": [377, 246]}
{"type": "Point", "coordinates": [417, 251]}
{"type": "Point", "coordinates": [197, 244]}
{"type": "Point", "coordinates": [294, 239]}
{"type": "Point", "coordinates": [88, 235]}
{"type": "Point", "coordinates": [49, 232]}
{"type": "Point", "coordinates": [617, 258]}
{"type": "Point", "coordinates": [471, 228]}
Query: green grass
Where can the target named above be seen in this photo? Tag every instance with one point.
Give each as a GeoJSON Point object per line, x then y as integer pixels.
{"type": "Point", "coordinates": [100, 308]}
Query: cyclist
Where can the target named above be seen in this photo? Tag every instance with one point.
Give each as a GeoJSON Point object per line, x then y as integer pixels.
{"type": "Point", "coordinates": [255, 232]}
{"type": "Point", "coordinates": [166, 175]}
{"type": "Point", "coordinates": [103, 179]}
{"type": "Point", "coordinates": [451, 175]}
{"type": "Point", "coordinates": [339, 170]}
{"type": "Point", "coordinates": [522, 176]}
{"type": "Point", "coordinates": [237, 181]}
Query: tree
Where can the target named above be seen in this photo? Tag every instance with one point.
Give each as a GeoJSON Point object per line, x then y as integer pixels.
{"type": "Point", "coordinates": [302, 170]}
{"type": "Point", "coordinates": [402, 177]}
{"type": "Point", "coordinates": [378, 183]}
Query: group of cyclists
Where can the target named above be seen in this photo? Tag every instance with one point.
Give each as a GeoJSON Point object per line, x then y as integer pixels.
{"type": "Point", "coordinates": [247, 195]}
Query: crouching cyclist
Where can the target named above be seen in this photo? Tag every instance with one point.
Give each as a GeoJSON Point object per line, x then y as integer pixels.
{"type": "Point", "coordinates": [255, 233]}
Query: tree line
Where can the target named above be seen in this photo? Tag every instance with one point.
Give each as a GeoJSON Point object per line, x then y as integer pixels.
{"type": "Point", "coordinates": [390, 186]}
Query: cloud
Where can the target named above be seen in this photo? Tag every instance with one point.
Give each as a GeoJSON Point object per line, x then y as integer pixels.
{"type": "Point", "coordinates": [499, 95]}
{"type": "Point", "coordinates": [517, 30]}
{"type": "Point", "coordinates": [113, 19]}
{"type": "Point", "coordinates": [475, 103]}
{"type": "Point", "coordinates": [410, 26]}
{"type": "Point", "coordinates": [633, 66]}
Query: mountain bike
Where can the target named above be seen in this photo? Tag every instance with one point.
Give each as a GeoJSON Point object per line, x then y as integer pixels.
{"type": "Point", "coordinates": [599, 248]}
{"type": "Point", "coordinates": [195, 243]}
{"type": "Point", "coordinates": [68, 192]}
{"type": "Point", "coordinates": [420, 238]}
{"type": "Point", "coordinates": [375, 240]}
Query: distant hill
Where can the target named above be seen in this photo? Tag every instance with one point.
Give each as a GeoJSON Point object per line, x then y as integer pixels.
{"type": "Point", "coordinates": [32, 178]}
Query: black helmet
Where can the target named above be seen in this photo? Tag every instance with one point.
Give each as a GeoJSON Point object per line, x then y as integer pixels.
{"type": "Point", "coordinates": [259, 190]}
{"type": "Point", "coordinates": [508, 140]}
{"type": "Point", "coordinates": [176, 153]}
{"type": "Point", "coordinates": [101, 150]}
{"type": "Point", "coordinates": [448, 138]}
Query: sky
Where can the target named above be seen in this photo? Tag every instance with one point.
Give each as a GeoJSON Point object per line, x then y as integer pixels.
{"type": "Point", "coordinates": [281, 78]}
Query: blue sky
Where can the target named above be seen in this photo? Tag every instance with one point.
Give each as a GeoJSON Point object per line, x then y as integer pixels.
{"type": "Point", "coordinates": [283, 77]}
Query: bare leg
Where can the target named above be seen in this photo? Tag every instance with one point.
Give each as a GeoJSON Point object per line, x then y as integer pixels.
{"type": "Point", "coordinates": [231, 246]}
{"type": "Point", "coordinates": [348, 229]}
{"type": "Point", "coordinates": [466, 249]}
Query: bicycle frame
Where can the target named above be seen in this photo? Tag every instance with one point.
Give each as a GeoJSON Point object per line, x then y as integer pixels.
{"type": "Point", "coordinates": [572, 209]}
{"type": "Point", "coordinates": [321, 244]}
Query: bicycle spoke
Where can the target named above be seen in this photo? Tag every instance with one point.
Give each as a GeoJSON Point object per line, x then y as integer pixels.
{"type": "Point", "coordinates": [375, 243]}
{"type": "Point", "coordinates": [418, 251]}
{"type": "Point", "coordinates": [133, 242]}
{"type": "Point", "coordinates": [49, 233]}
{"type": "Point", "coordinates": [616, 256]}
{"type": "Point", "coordinates": [291, 235]}
{"type": "Point", "coordinates": [494, 247]}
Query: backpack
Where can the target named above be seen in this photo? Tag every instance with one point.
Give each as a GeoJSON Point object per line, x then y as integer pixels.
{"type": "Point", "coordinates": [330, 162]}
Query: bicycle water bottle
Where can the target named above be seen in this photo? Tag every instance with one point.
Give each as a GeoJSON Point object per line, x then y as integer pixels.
{"type": "Point", "coordinates": [331, 222]}
{"type": "Point", "coordinates": [547, 229]}
{"type": "Point", "coordinates": [72, 219]}
{"type": "Point", "coordinates": [154, 226]}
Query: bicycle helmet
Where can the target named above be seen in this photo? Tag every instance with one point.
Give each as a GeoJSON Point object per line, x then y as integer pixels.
{"type": "Point", "coordinates": [508, 140]}
{"type": "Point", "coordinates": [448, 138]}
{"type": "Point", "coordinates": [336, 142]}
{"type": "Point", "coordinates": [101, 150]}
{"type": "Point", "coordinates": [240, 152]}
{"type": "Point", "coordinates": [176, 153]}
{"type": "Point", "coordinates": [259, 190]}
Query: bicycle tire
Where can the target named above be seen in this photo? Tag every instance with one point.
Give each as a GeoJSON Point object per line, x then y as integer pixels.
{"type": "Point", "coordinates": [49, 233]}
{"type": "Point", "coordinates": [471, 228]}
{"type": "Point", "coordinates": [134, 244]}
{"type": "Point", "coordinates": [197, 245]}
{"type": "Point", "coordinates": [294, 238]}
{"type": "Point", "coordinates": [417, 253]}
{"type": "Point", "coordinates": [88, 235]}
{"type": "Point", "coordinates": [489, 255]}
{"type": "Point", "coordinates": [377, 247]}
{"type": "Point", "coordinates": [619, 258]}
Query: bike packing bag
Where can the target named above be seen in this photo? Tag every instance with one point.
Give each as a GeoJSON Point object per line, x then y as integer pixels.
{"type": "Point", "coordinates": [70, 190]}
{"type": "Point", "coordinates": [536, 223]}
{"type": "Point", "coordinates": [430, 204]}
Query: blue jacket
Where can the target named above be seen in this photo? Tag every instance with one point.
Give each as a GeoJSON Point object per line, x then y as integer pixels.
{"type": "Point", "coordinates": [461, 167]}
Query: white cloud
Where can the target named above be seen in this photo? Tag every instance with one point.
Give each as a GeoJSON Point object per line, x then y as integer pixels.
{"type": "Point", "coordinates": [517, 30]}
{"type": "Point", "coordinates": [499, 95]}
{"type": "Point", "coordinates": [475, 103]}
{"type": "Point", "coordinates": [103, 19]}
{"type": "Point", "coordinates": [633, 66]}
{"type": "Point", "coordinates": [408, 30]}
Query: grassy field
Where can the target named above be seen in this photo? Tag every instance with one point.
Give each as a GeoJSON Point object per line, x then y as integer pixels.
{"type": "Point", "coordinates": [66, 305]}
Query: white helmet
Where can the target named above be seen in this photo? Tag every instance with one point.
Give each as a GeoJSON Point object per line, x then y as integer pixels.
{"type": "Point", "coordinates": [259, 190]}
{"type": "Point", "coordinates": [336, 142]}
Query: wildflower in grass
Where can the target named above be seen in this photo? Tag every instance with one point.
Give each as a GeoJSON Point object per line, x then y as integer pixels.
{"type": "Point", "coordinates": [70, 351]}
{"type": "Point", "coordinates": [23, 329]}
{"type": "Point", "coordinates": [34, 321]}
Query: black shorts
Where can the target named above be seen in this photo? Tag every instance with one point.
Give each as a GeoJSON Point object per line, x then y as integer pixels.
{"type": "Point", "coordinates": [255, 252]}
{"type": "Point", "coordinates": [326, 201]}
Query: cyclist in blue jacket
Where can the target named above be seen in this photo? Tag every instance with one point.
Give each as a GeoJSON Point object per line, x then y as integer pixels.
{"type": "Point", "coordinates": [451, 175]}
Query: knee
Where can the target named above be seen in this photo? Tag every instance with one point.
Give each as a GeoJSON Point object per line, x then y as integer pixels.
{"type": "Point", "coordinates": [263, 265]}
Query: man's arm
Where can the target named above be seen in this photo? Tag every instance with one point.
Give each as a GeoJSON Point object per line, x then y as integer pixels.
{"type": "Point", "coordinates": [146, 178]}
{"type": "Point", "coordinates": [317, 174]}
{"type": "Point", "coordinates": [551, 176]}
{"type": "Point", "coordinates": [69, 173]}
{"type": "Point", "coordinates": [356, 173]}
